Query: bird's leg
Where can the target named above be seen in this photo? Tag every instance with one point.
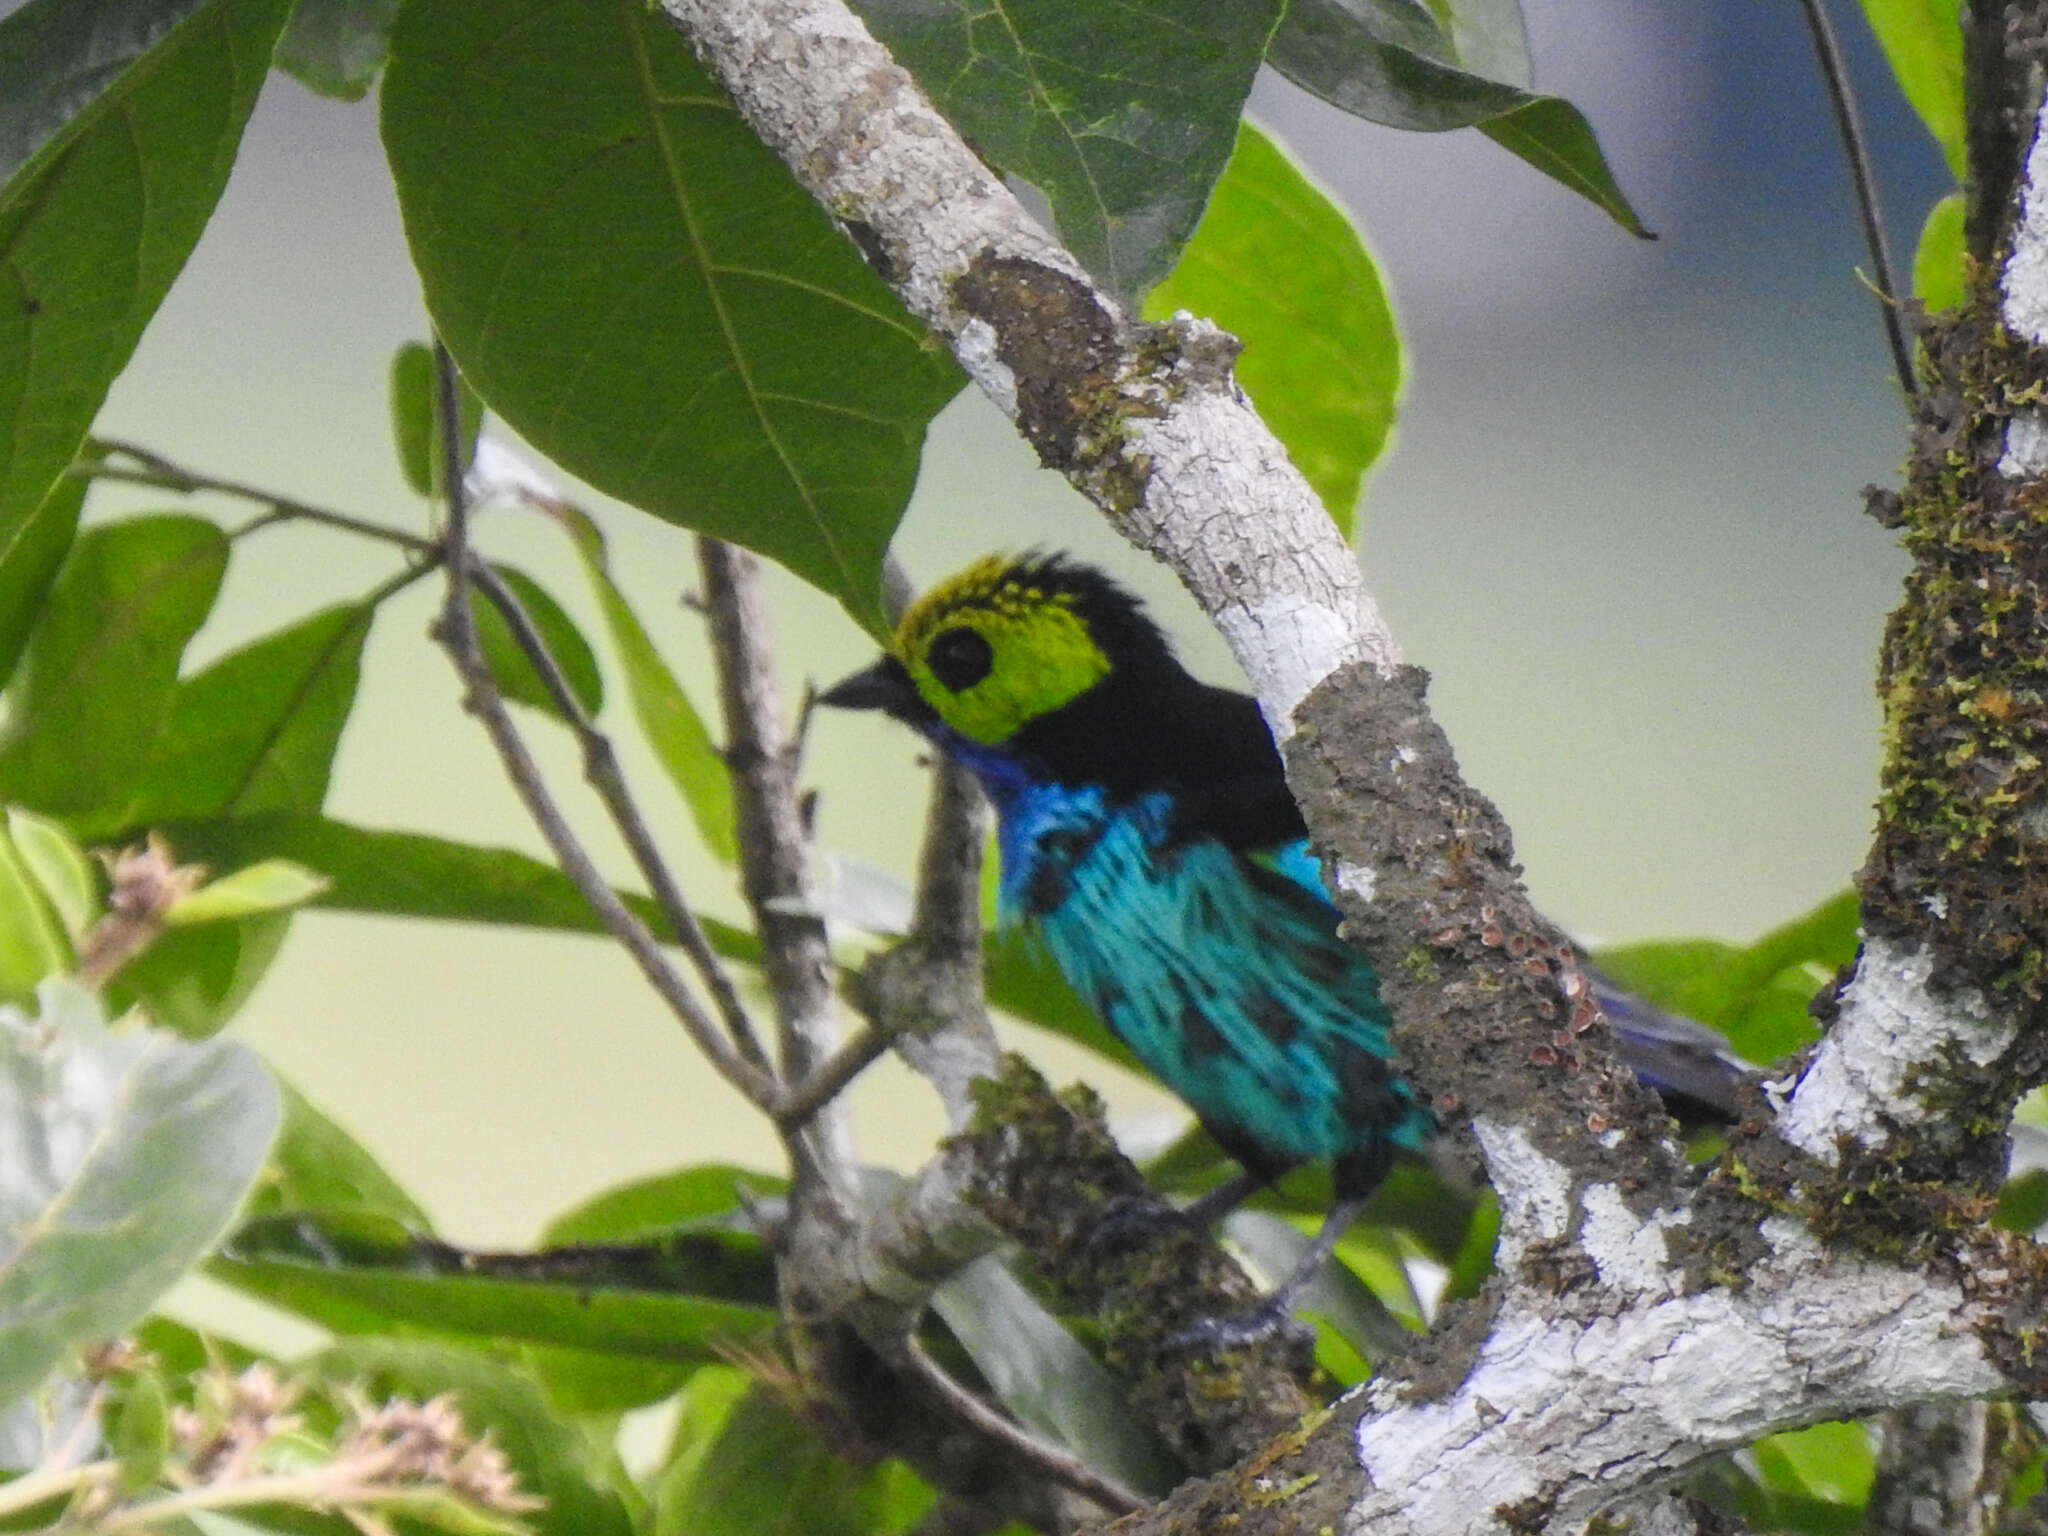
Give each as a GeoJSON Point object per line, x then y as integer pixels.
{"type": "Point", "coordinates": [1130, 1220]}
{"type": "Point", "coordinates": [1210, 1207]}
{"type": "Point", "coordinates": [1275, 1312]}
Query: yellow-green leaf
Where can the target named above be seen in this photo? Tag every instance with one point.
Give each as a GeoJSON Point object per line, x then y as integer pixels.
{"type": "Point", "coordinates": [275, 885]}
{"type": "Point", "coordinates": [1278, 265]}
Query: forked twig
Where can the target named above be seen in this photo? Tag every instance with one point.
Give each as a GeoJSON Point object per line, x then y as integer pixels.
{"type": "Point", "coordinates": [456, 631]}
{"type": "Point", "coordinates": [601, 769]}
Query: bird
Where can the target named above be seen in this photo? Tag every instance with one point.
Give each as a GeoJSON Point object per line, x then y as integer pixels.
{"type": "Point", "coordinates": [1147, 838]}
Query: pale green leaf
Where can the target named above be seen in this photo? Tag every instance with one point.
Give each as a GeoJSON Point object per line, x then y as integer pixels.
{"type": "Point", "coordinates": [122, 1158]}
{"type": "Point", "coordinates": [1938, 258]}
{"type": "Point", "coordinates": [32, 940]}
{"type": "Point", "coordinates": [60, 868]}
{"type": "Point", "coordinates": [1923, 41]}
{"type": "Point", "coordinates": [275, 885]}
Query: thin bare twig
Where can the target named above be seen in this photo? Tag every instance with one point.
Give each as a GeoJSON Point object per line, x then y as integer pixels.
{"type": "Point", "coordinates": [831, 1078]}
{"type": "Point", "coordinates": [944, 948]}
{"type": "Point", "coordinates": [775, 855]}
{"type": "Point", "coordinates": [601, 769]}
{"type": "Point", "coordinates": [1849, 121]}
{"type": "Point", "coordinates": [163, 474]}
{"type": "Point", "coordinates": [939, 973]}
{"type": "Point", "coordinates": [1062, 1466]}
{"type": "Point", "coordinates": [456, 631]}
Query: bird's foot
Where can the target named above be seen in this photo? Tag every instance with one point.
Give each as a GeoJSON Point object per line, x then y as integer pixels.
{"type": "Point", "coordinates": [1129, 1220]}
{"type": "Point", "coordinates": [1269, 1319]}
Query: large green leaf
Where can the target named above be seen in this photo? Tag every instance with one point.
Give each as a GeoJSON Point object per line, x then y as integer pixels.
{"type": "Point", "coordinates": [641, 289]}
{"type": "Point", "coordinates": [685, 1297]}
{"type": "Point", "coordinates": [193, 980]}
{"type": "Point", "coordinates": [577, 1481]}
{"type": "Point", "coordinates": [118, 123]}
{"type": "Point", "coordinates": [706, 1198]}
{"type": "Point", "coordinates": [1279, 266]}
{"type": "Point", "coordinates": [257, 730]}
{"type": "Point", "coordinates": [1757, 995]}
{"type": "Point", "coordinates": [709, 1193]}
{"type": "Point", "coordinates": [1123, 116]}
{"type": "Point", "coordinates": [101, 666]}
{"type": "Point", "coordinates": [682, 743]}
{"type": "Point", "coordinates": [29, 561]}
{"type": "Point", "coordinates": [1390, 61]}
{"type": "Point", "coordinates": [1923, 40]}
{"type": "Point", "coordinates": [409, 874]}
{"type": "Point", "coordinates": [126, 1157]}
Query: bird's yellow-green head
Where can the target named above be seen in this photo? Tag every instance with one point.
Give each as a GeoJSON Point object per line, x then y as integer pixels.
{"type": "Point", "coordinates": [997, 646]}
{"type": "Point", "coordinates": [1037, 669]}
{"type": "Point", "coordinates": [1003, 646]}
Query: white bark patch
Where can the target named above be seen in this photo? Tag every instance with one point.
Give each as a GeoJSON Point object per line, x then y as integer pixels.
{"type": "Point", "coordinates": [1629, 1252]}
{"type": "Point", "coordinates": [1358, 880]}
{"type": "Point", "coordinates": [2026, 446]}
{"type": "Point", "coordinates": [1574, 1411]}
{"type": "Point", "coordinates": [1535, 1190]}
{"type": "Point", "coordinates": [1891, 1029]}
{"type": "Point", "coordinates": [2024, 307]}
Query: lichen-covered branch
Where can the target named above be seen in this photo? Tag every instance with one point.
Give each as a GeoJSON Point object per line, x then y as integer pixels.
{"type": "Point", "coordinates": [1941, 1029]}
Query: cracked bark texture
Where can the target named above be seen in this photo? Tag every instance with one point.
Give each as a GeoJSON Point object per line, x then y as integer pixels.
{"type": "Point", "coordinates": [1645, 1319]}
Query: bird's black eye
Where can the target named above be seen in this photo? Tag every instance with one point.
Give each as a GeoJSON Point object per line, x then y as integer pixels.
{"type": "Point", "coordinates": [959, 657]}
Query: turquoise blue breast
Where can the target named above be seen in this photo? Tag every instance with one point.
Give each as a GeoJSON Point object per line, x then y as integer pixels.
{"type": "Point", "coordinates": [1223, 974]}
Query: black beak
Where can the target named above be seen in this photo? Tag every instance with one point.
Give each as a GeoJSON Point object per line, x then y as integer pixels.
{"type": "Point", "coordinates": [884, 686]}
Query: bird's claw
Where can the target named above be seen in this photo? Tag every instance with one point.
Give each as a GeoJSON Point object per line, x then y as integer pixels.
{"type": "Point", "coordinates": [1269, 1319]}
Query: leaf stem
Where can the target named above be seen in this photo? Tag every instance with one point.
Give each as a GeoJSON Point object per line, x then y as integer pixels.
{"type": "Point", "coordinates": [1849, 121]}
{"type": "Point", "coordinates": [46, 1483]}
